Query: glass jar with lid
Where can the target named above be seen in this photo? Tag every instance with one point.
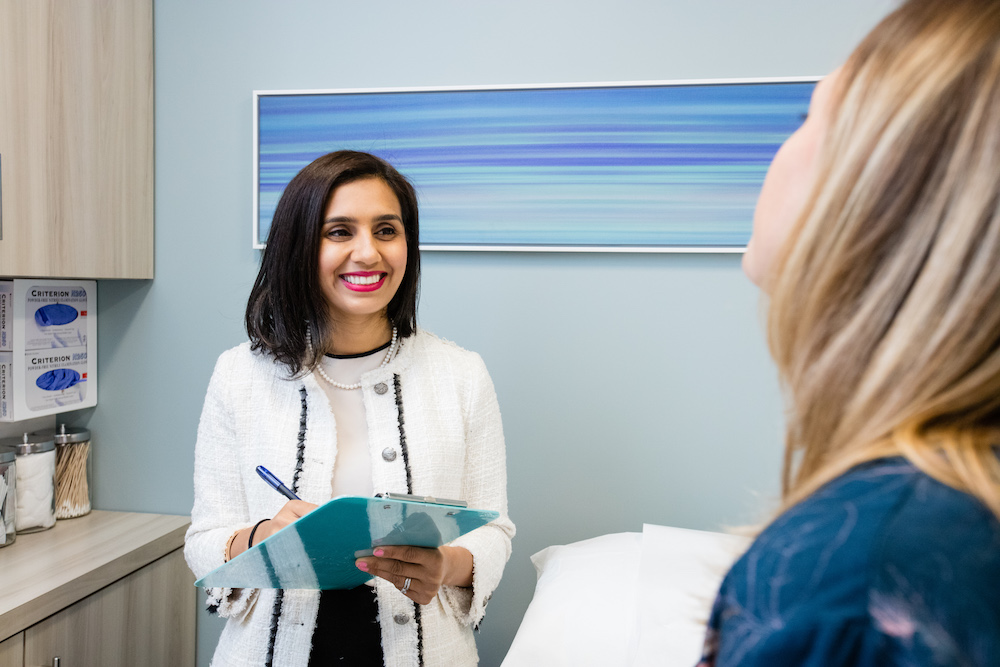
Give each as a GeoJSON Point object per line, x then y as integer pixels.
{"type": "Point", "coordinates": [8, 491]}
{"type": "Point", "coordinates": [72, 470]}
{"type": "Point", "coordinates": [36, 482]}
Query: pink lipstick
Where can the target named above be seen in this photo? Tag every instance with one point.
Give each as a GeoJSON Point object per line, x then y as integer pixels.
{"type": "Point", "coordinates": [363, 281]}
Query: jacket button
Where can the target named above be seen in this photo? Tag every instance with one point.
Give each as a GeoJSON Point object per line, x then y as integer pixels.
{"type": "Point", "coordinates": [401, 619]}
{"type": "Point", "coordinates": [389, 454]}
{"type": "Point", "coordinates": [381, 388]}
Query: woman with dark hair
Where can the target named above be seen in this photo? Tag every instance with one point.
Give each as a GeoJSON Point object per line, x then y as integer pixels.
{"type": "Point", "coordinates": [877, 239]}
{"type": "Point", "coordinates": [338, 393]}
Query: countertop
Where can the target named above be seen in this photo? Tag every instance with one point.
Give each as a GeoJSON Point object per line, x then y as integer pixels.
{"type": "Point", "coordinates": [45, 572]}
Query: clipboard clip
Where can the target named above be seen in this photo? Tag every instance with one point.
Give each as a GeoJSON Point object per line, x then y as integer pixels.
{"type": "Point", "coordinates": [430, 500]}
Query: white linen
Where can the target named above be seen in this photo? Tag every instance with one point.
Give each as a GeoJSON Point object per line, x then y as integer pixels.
{"type": "Point", "coordinates": [681, 571]}
{"type": "Point", "coordinates": [584, 608]}
{"type": "Point", "coordinates": [624, 599]}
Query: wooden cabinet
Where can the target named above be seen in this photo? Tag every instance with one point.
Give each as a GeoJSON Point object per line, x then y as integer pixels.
{"type": "Point", "coordinates": [76, 138]}
{"type": "Point", "coordinates": [139, 620]}
{"type": "Point", "coordinates": [12, 651]}
{"type": "Point", "coordinates": [112, 590]}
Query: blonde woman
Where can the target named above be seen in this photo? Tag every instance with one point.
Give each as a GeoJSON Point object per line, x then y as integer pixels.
{"type": "Point", "coordinates": [877, 239]}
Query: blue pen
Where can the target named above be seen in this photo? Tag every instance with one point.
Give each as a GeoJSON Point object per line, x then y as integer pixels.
{"type": "Point", "coordinates": [275, 483]}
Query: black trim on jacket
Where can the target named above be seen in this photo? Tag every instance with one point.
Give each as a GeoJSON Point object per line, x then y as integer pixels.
{"type": "Point", "coordinates": [397, 387]}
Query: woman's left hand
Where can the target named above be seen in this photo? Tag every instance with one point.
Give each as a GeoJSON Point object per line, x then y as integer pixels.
{"type": "Point", "coordinates": [427, 570]}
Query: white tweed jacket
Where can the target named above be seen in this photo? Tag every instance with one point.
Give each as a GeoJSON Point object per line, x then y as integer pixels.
{"type": "Point", "coordinates": [434, 429]}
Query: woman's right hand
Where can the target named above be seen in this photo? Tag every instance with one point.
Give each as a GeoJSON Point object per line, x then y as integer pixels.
{"type": "Point", "coordinates": [290, 512]}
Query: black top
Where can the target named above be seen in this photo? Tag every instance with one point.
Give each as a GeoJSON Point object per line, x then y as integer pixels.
{"type": "Point", "coordinates": [359, 354]}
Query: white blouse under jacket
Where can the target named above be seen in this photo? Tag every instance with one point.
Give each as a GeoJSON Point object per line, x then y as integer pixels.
{"type": "Point", "coordinates": [448, 443]}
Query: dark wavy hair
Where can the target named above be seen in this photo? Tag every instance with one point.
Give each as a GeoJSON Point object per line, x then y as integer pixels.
{"type": "Point", "coordinates": [286, 300]}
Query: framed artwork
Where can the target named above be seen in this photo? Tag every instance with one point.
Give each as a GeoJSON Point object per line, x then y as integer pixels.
{"type": "Point", "coordinates": [661, 166]}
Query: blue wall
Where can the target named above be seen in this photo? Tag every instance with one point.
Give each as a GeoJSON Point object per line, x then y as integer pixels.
{"type": "Point", "coordinates": [634, 388]}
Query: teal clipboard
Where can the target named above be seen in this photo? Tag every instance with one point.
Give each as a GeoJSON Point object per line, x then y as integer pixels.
{"type": "Point", "coordinates": [318, 550]}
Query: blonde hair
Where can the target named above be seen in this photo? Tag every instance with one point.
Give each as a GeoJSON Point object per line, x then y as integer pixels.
{"type": "Point", "coordinates": [884, 318]}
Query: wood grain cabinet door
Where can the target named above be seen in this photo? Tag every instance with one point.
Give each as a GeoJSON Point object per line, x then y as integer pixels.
{"type": "Point", "coordinates": [76, 138]}
{"type": "Point", "coordinates": [147, 619]}
{"type": "Point", "coordinates": [12, 651]}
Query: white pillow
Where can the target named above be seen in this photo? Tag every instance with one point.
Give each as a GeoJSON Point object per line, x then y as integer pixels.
{"type": "Point", "coordinates": [623, 599]}
{"type": "Point", "coordinates": [584, 611]}
{"type": "Point", "coordinates": [680, 570]}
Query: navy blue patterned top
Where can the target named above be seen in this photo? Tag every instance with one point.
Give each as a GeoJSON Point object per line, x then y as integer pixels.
{"type": "Point", "coordinates": [882, 567]}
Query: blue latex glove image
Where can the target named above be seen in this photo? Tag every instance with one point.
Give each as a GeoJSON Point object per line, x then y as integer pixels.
{"type": "Point", "coordinates": [59, 379]}
{"type": "Point", "coordinates": [55, 314]}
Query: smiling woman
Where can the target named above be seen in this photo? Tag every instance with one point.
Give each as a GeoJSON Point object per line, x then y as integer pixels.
{"type": "Point", "coordinates": [318, 396]}
{"type": "Point", "coordinates": [322, 208]}
{"type": "Point", "coordinates": [362, 260]}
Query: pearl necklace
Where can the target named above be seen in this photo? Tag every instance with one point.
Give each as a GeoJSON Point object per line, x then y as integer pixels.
{"type": "Point", "coordinates": [319, 365]}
